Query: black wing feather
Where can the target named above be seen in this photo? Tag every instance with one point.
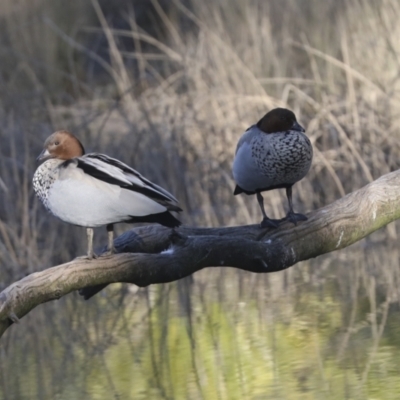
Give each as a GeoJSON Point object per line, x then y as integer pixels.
{"type": "Point", "coordinates": [96, 173]}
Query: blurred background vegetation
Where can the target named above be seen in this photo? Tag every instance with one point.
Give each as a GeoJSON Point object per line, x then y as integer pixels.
{"type": "Point", "coordinates": [168, 87]}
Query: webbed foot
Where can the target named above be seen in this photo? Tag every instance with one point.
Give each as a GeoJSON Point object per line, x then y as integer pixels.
{"type": "Point", "coordinates": [109, 252]}
{"type": "Point", "coordinates": [270, 223]}
{"type": "Point", "coordinates": [294, 218]}
{"type": "Point", "coordinates": [88, 257]}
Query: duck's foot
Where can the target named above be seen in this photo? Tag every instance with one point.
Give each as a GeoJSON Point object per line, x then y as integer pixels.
{"type": "Point", "coordinates": [109, 252]}
{"type": "Point", "coordinates": [88, 257]}
{"type": "Point", "coordinates": [270, 223]}
{"type": "Point", "coordinates": [295, 218]}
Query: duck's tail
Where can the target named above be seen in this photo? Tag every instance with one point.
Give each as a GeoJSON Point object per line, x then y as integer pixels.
{"type": "Point", "coordinates": [165, 218]}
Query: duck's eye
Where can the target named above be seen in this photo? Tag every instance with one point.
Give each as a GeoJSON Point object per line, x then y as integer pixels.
{"type": "Point", "coordinates": [56, 143]}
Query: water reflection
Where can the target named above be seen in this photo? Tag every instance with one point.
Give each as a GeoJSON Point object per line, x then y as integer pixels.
{"type": "Point", "coordinates": [325, 329]}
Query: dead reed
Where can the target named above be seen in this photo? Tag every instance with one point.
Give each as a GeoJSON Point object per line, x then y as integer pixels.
{"type": "Point", "coordinates": [173, 104]}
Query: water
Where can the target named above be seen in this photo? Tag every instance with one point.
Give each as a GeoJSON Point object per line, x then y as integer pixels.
{"type": "Point", "coordinates": [325, 329]}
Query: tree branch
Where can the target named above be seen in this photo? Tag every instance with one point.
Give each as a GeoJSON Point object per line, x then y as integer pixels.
{"type": "Point", "coordinates": [155, 254]}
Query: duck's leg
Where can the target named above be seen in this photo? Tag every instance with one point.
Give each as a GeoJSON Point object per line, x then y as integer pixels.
{"type": "Point", "coordinates": [266, 222]}
{"type": "Point", "coordinates": [292, 216]}
{"type": "Point", "coordinates": [110, 245]}
{"type": "Point", "coordinates": [89, 233]}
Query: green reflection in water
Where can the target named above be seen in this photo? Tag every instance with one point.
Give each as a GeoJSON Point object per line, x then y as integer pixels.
{"type": "Point", "coordinates": [300, 334]}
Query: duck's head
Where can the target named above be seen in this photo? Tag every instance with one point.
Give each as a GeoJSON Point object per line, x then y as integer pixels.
{"type": "Point", "coordinates": [279, 120]}
{"type": "Point", "coordinates": [62, 145]}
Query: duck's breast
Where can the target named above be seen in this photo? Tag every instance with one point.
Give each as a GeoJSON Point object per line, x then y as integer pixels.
{"type": "Point", "coordinates": [44, 177]}
{"type": "Point", "coordinates": [284, 157]}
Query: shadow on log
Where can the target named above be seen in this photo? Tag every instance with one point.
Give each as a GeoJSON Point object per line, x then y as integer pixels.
{"type": "Point", "coordinates": [155, 254]}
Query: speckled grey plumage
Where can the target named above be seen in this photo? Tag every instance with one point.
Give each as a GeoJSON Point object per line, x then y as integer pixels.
{"type": "Point", "coordinates": [267, 161]}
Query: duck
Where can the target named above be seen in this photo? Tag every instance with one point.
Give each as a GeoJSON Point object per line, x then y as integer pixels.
{"type": "Point", "coordinates": [273, 154]}
{"type": "Point", "coordinates": [93, 190]}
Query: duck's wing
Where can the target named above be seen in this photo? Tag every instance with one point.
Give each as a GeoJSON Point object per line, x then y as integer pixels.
{"type": "Point", "coordinates": [246, 137]}
{"type": "Point", "coordinates": [115, 172]}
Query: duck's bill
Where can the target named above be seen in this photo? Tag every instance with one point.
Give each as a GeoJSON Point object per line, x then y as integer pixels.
{"type": "Point", "coordinates": [297, 127]}
{"type": "Point", "coordinates": [44, 155]}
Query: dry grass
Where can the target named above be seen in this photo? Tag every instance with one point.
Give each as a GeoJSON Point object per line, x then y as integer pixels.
{"type": "Point", "coordinates": [174, 104]}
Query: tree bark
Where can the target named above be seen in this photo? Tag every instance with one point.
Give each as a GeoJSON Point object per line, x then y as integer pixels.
{"type": "Point", "coordinates": [155, 254]}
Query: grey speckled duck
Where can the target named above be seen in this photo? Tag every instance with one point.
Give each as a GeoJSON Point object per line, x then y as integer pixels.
{"type": "Point", "coordinates": [273, 154]}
